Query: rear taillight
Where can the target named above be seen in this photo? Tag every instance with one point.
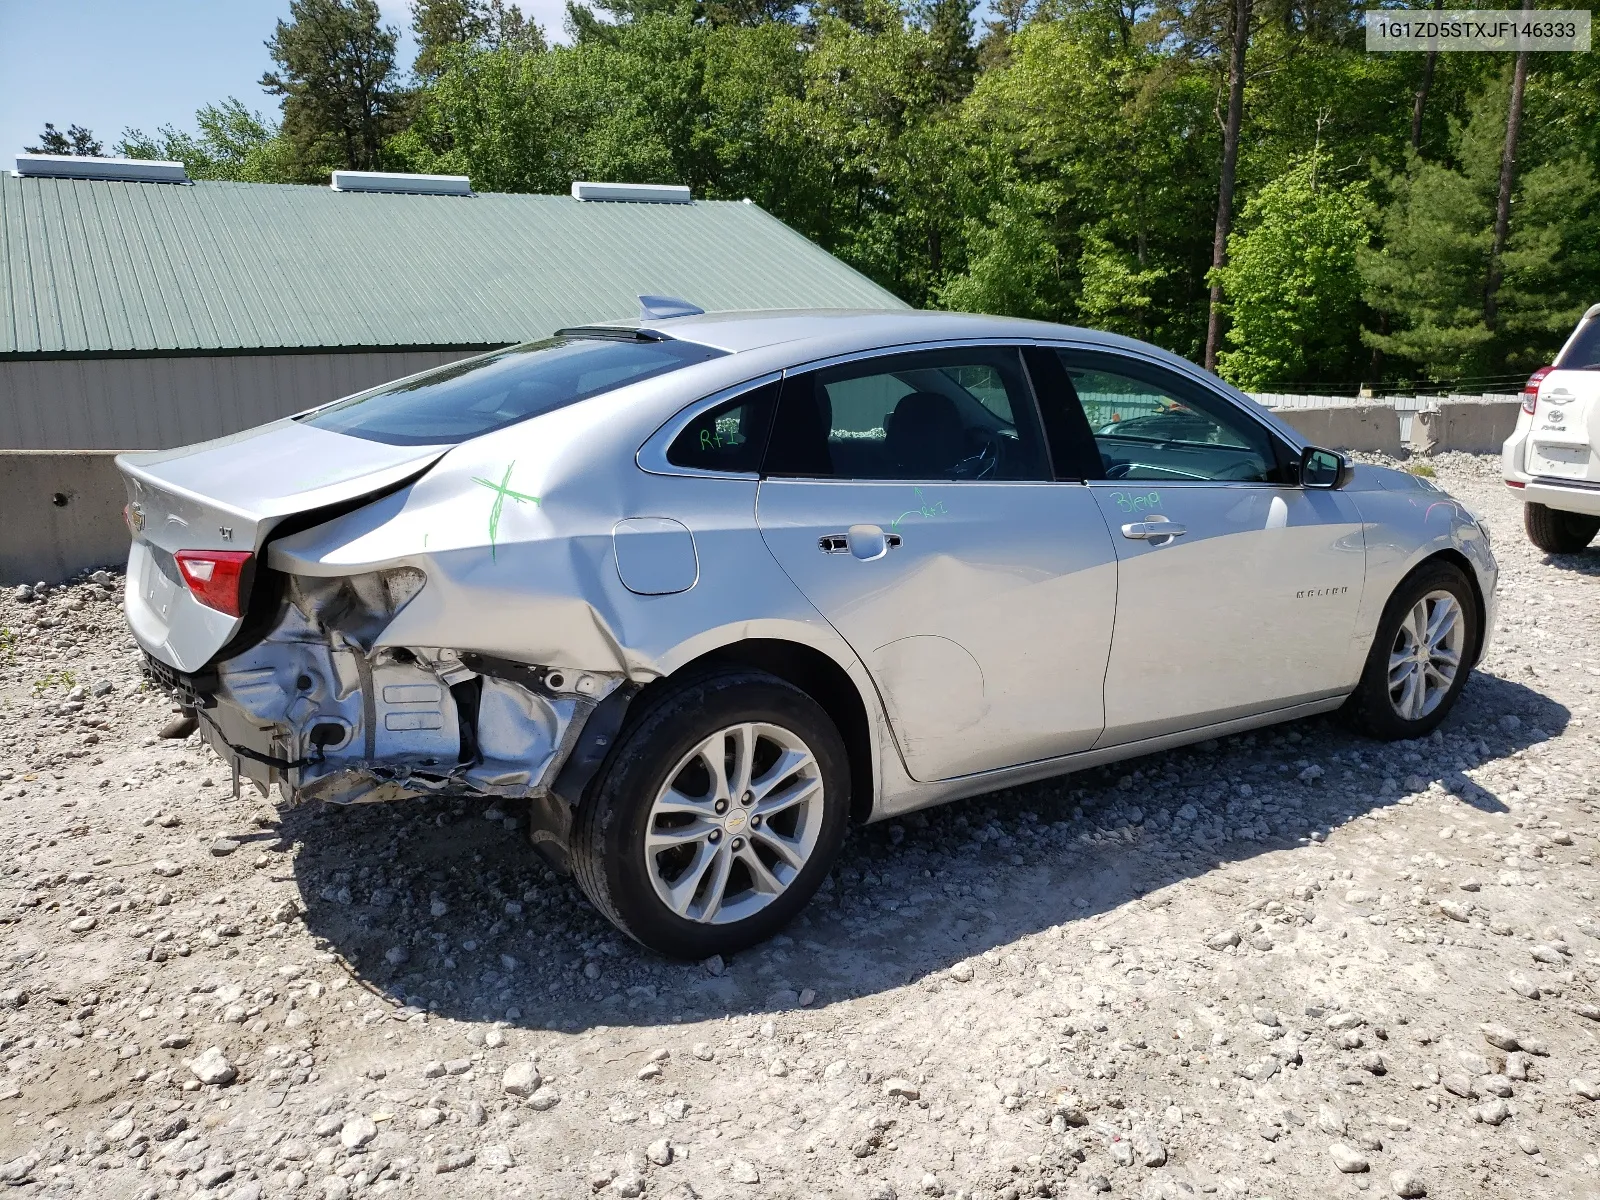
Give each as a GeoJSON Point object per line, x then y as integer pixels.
{"type": "Point", "coordinates": [216, 577]}
{"type": "Point", "coordinates": [1530, 390]}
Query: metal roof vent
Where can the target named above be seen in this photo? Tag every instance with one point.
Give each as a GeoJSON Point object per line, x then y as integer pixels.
{"type": "Point", "coordinates": [397, 181]}
{"type": "Point", "coordinates": [126, 170]}
{"type": "Point", "coordinates": [636, 193]}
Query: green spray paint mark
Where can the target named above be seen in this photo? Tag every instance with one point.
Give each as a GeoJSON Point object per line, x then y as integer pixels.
{"type": "Point", "coordinates": [501, 490]}
{"type": "Point", "coordinates": [924, 509]}
{"type": "Point", "coordinates": [1129, 502]}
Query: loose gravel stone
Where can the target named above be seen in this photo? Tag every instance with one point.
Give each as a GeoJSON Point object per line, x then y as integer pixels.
{"type": "Point", "coordinates": [1347, 1159]}
{"type": "Point", "coordinates": [212, 1066]}
{"type": "Point", "coordinates": [1407, 1183]}
{"type": "Point", "coordinates": [520, 1079]}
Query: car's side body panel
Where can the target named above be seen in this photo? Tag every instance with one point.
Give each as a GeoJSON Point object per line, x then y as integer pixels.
{"type": "Point", "coordinates": [1406, 521]}
{"type": "Point", "coordinates": [986, 626]}
{"type": "Point", "coordinates": [1250, 609]}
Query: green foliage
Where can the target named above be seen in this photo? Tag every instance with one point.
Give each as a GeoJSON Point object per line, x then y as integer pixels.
{"type": "Point", "coordinates": [232, 143]}
{"type": "Point", "coordinates": [1430, 274]}
{"type": "Point", "coordinates": [336, 76]}
{"type": "Point", "coordinates": [1013, 266]}
{"type": "Point", "coordinates": [76, 141]}
{"type": "Point", "coordinates": [1293, 287]}
{"type": "Point", "coordinates": [63, 679]}
{"type": "Point", "coordinates": [476, 24]}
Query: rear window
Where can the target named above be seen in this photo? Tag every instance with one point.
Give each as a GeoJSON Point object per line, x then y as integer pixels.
{"type": "Point", "coordinates": [1583, 353]}
{"type": "Point", "coordinates": [479, 395]}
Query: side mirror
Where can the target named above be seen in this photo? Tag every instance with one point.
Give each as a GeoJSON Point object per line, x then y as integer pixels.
{"type": "Point", "coordinates": [1326, 469]}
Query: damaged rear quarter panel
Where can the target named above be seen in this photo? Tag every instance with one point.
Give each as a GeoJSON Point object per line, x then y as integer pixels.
{"type": "Point", "coordinates": [514, 533]}
{"type": "Point", "coordinates": [544, 587]}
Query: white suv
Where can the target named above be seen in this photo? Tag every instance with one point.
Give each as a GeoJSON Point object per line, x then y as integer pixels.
{"type": "Point", "coordinates": [1553, 457]}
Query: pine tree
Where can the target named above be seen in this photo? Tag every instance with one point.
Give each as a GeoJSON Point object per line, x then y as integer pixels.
{"type": "Point", "coordinates": [336, 74]}
{"type": "Point", "coordinates": [76, 141]}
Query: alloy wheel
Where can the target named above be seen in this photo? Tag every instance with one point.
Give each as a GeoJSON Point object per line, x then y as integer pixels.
{"type": "Point", "coordinates": [735, 823]}
{"type": "Point", "coordinates": [1426, 655]}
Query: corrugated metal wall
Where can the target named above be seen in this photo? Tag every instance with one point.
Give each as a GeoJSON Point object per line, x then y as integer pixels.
{"type": "Point", "coordinates": [158, 403]}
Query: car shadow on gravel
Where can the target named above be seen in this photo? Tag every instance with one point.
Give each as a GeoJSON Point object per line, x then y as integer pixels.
{"type": "Point", "coordinates": [441, 906]}
{"type": "Point", "coordinates": [1585, 562]}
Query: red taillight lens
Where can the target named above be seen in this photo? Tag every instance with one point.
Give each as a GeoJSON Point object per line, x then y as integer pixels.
{"type": "Point", "coordinates": [216, 577]}
{"type": "Point", "coordinates": [1530, 390]}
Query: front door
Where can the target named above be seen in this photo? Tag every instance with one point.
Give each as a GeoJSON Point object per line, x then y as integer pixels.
{"type": "Point", "coordinates": [1238, 589]}
{"type": "Point", "coordinates": [910, 498]}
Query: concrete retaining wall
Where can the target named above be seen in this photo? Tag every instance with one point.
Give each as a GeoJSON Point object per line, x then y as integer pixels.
{"type": "Point", "coordinates": [1369, 427]}
{"type": "Point", "coordinates": [60, 513]}
{"type": "Point", "coordinates": [1475, 428]}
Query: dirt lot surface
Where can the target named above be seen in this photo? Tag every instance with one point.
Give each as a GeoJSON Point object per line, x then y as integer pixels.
{"type": "Point", "coordinates": [1297, 963]}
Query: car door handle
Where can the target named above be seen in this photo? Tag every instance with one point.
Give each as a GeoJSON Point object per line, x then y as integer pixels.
{"type": "Point", "coordinates": [866, 542]}
{"type": "Point", "coordinates": [1144, 531]}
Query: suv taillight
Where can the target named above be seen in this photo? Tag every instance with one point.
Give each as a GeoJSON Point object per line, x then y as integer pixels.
{"type": "Point", "coordinates": [1530, 390]}
{"type": "Point", "coordinates": [216, 577]}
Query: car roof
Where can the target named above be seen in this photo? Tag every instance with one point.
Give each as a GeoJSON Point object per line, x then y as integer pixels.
{"type": "Point", "coordinates": [737, 332]}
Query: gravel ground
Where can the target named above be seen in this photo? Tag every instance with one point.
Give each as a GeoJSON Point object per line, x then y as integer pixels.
{"type": "Point", "coordinates": [1295, 963]}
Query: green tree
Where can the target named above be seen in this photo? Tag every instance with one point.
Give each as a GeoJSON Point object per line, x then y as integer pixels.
{"type": "Point", "coordinates": [1112, 130]}
{"type": "Point", "coordinates": [233, 143]}
{"type": "Point", "coordinates": [336, 75]}
{"type": "Point", "coordinates": [1431, 276]}
{"type": "Point", "coordinates": [481, 24]}
{"type": "Point", "coordinates": [1014, 264]}
{"type": "Point", "coordinates": [76, 141]}
{"type": "Point", "coordinates": [1292, 285]}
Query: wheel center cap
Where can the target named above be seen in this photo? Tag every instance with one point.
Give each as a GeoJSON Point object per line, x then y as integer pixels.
{"type": "Point", "coordinates": [735, 821]}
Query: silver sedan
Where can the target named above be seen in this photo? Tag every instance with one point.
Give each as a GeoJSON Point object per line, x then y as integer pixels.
{"type": "Point", "coordinates": [704, 590]}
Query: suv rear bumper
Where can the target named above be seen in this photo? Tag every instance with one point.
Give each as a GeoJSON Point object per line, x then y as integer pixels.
{"type": "Point", "coordinates": [1565, 496]}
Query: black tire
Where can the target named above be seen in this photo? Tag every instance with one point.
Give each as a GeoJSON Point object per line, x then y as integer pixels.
{"type": "Point", "coordinates": [1558, 532]}
{"type": "Point", "coordinates": [1370, 707]}
{"type": "Point", "coordinates": [608, 854]}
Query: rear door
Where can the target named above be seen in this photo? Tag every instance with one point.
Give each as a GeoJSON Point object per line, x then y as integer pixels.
{"type": "Point", "coordinates": [1238, 589]}
{"type": "Point", "coordinates": [910, 497]}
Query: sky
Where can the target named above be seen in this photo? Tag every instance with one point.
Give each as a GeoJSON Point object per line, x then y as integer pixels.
{"type": "Point", "coordinates": [113, 64]}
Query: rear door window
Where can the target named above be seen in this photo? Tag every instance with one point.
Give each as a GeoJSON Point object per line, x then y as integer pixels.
{"type": "Point", "coordinates": [961, 413]}
{"type": "Point", "coordinates": [476, 396]}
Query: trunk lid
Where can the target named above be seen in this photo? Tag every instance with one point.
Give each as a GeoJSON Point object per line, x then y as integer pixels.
{"type": "Point", "coordinates": [230, 494]}
{"type": "Point", "coordinates": [1564, 441]}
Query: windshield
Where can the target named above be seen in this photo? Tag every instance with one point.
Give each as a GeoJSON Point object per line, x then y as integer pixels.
{"type": "Point", "coordinates": [1583, 352]}
{"type": "Point", "coordinates": [479, 395]}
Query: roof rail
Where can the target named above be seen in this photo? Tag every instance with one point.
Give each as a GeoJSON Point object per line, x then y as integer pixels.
{"type": "Point", "coordinates": [76, 166]}
{"type": "Point", "coordinates": [400, 181]}
{"type": "Point", "coordinates": [637, 193]}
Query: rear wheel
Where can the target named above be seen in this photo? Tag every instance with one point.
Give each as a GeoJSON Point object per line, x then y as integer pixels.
{"type": "Point", "coordinates": [716, 817]}
{"type": "Point", "coordinates": [1420, 658]}
{"type": "Point", "coordinates": [1558, 532]}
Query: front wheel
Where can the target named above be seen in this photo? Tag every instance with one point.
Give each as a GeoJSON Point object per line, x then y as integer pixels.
{"type": "Point", "coordinates": [1420, 658]}
{"type": "Point", "coordinates": [1557, 532]}
{"type": "Point", "coordinates": [716, 816]}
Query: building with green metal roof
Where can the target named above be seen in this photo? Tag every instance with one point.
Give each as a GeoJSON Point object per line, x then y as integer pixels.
{"type": "Point", "coordinates": [140, 313]}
